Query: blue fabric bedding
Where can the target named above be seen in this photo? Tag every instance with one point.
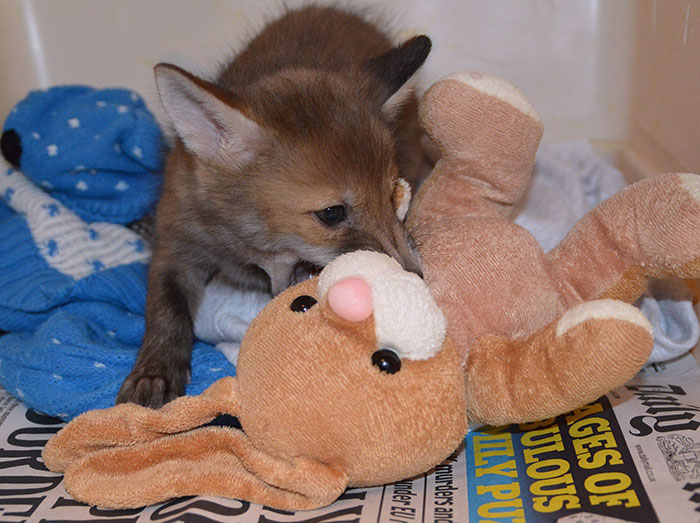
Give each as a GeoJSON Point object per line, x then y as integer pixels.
{"type": "Point", "coordinates": [72, 275]}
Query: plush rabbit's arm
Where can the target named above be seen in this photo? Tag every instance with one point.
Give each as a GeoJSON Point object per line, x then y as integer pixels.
{"type": "Point", "coordinates": [487, 133]}
{"type": "Point", "coordinates": [589, 351]}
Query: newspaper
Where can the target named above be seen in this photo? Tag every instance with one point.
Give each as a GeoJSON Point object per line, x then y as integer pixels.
{"type": "Point", "coordinates": [633, 455]}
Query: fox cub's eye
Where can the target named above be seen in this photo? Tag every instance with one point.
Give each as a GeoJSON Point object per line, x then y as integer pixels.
{"type": "Point", "coordinates": [332, 215]}
{"type": "Point", "coordinates": [302, 303]}
{"type": "Point", "coordinates": [386, 360]}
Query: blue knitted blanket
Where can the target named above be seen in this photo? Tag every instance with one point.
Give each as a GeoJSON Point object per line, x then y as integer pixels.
{"type": "Point", "coordinates": [72, 276]}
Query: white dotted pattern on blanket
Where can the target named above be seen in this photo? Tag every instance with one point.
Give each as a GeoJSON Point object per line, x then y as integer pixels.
{"type": "Point", "coordinates": [67, 243]}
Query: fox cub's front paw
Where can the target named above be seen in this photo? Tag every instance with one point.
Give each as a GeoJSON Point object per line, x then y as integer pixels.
{"type": "Point", "coordinates": [153, 385]}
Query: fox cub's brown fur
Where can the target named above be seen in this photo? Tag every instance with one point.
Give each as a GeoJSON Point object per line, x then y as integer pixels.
{"type": "Point", "coordinates": [295, 154]}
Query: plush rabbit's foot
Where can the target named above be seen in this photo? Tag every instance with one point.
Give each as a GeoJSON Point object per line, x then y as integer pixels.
{"type": "Point", "coordinates": [487, 133]}
{"type": "Point", "coordinates": [592, 349]}
{"type": "Point", "coordinates": [648, 230]}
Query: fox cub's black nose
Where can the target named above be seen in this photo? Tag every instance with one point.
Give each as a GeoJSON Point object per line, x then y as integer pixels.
{"type": "Point", "coordinates": [413, 263]}
{"type": "Point", "coordinates": [415, 269]}
{"type": "Point", "coordinates": [410, 262]}
{"type": "Point", "coordinates": [11, 146]}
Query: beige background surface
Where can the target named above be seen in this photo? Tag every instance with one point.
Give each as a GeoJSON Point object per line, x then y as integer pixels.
{"type": "Point", "coordinates": [625, 73]}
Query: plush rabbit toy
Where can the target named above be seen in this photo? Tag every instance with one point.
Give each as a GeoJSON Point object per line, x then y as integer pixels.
{"type": "Point", "coordinates": [344, 380]}
{"type": "Point", "coordinates": [356, 379]}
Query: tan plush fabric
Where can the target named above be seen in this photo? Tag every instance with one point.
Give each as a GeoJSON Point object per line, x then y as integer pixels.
{"type": "Point", "coordinates": [322, 397]}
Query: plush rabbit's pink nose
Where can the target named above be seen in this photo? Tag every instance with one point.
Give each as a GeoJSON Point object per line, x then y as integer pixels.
{"type": "Point", "coordinates": [351, 299]}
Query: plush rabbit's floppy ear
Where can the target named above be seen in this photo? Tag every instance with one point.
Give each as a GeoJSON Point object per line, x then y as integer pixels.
{"type": "Point", "coordinates": [215, 461]}
{"type": "Point", "coordinates": [130, 456]}
{"type": "Point", "coordinates": [130, 424]}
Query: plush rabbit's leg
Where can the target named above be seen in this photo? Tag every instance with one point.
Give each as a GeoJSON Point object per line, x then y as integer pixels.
{"type": "Point", "coordinates": [648, 230]}
{"type": "Point", "coordinates": [487, 133]}
{"type": "Point", "coordinates": [129, 423]}
{"type": "Point", "coordinates": [209, 461]}
{"type": "Point", "coordinates": [592, 349]}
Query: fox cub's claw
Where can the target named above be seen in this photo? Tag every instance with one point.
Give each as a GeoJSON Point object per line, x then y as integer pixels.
{"type": "Point", "coordinates": [153, 386]}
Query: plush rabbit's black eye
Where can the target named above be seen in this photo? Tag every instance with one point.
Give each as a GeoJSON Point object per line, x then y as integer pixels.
{"type": "Point", "coordinates": [302, 303]}
{"type": "Point", "coordinates": [386, 360]}
{"type": "Point", "coordinates": [331, 215]}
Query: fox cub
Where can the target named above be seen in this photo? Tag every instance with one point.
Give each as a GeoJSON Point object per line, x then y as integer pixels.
{"type": "Point", "coordinates": [304, 147]}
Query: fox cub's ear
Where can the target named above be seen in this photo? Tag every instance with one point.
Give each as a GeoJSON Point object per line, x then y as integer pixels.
{"type": "Point", "coordinates": [208, 126]}
{"type": "Point", "coordinates": [395, 67]}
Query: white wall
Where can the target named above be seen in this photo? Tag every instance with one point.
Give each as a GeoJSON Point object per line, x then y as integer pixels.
{"type": "Point", "coordinates": [602, 69]}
